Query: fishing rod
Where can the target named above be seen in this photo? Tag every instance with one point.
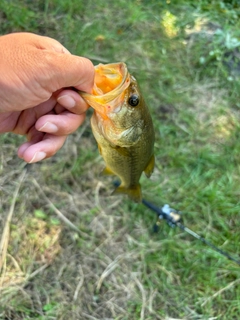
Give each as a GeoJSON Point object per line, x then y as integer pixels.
{"type": "Point", "coordinates": [174, 218]}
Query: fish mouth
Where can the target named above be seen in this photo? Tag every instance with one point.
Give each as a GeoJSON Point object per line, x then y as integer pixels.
{"type": "Point", "coordinates": [110, 83]}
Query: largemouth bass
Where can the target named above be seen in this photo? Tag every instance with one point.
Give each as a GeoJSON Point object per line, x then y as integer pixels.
{"type": "Point", "coordinates": [122, 127]}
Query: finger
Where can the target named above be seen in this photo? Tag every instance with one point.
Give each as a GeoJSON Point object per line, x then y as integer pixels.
{"type": "Point", "coordinates": [27, 118]}
{"type": "Point", "coordinates": [74, 71]}
{"type": "Point", "coordinates": [23, 148]}
{"type": "Point", "coordinates": [43, 149]}
{"type": "Point", "coordinates": [72, 101]}
{"type": "Point", "coordinates": [66, 70]}
{"type": "Point", "coordinates": [33, 137]}
{"type": "Point", "coordinates": [61, 124]}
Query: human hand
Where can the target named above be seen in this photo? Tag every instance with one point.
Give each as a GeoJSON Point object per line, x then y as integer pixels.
{"type": "Point", "coordinates": [38, 97]}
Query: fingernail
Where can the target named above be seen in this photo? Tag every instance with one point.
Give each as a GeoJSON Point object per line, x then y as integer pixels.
{"type": "Point", "coordinates": [38, 156]}
{"type": "Point", "coordinates": [66, 101]}
{"type": "Point", "coordinates": [49, 127]}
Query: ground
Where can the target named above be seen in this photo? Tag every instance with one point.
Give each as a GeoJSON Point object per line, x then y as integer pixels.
{"type": "Point", "coordinates": [75, 252]}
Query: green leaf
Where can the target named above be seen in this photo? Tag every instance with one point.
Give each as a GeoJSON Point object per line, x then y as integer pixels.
{"type": "Point", "coordinates": [40, 214]}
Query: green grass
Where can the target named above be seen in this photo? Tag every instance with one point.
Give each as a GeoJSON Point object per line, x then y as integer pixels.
{"type": "Point", "coordinates": [116, 267]}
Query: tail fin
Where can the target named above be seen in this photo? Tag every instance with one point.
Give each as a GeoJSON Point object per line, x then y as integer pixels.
{"type": "Point", "coordinates": [134, 192]}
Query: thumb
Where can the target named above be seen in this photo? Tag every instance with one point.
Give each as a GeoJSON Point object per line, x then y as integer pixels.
{"type": "Point", "coordinates": [67, 70]}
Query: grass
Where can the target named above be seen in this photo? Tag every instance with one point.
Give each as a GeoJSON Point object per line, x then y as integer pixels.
{"type": "Point", "coordinates": [112, 265]}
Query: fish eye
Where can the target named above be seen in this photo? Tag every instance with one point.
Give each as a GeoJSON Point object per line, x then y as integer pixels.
{"type": "Point", "coordinates": [133, 100]}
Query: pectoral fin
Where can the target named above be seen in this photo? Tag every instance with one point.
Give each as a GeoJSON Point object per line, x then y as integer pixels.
{"type": "Point", "coordinates": [150, 166]}
{"type": "Point", "coordinates": [122, 150]}
{"type": "Point", "coordinates": [107, 171]}
{"type": "Point", "coordinates": [99, 149]}
{"type": "Point", "coordinates": [133, 192]}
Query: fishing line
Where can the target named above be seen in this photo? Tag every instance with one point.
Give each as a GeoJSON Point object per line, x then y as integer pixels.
{"type": "Point", "coordinates": [174, 218]}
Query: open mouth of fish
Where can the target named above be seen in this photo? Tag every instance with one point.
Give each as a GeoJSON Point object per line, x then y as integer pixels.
{"type": "Point", "coordinates": [110, 83]}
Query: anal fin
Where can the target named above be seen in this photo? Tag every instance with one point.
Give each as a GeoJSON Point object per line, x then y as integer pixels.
{"type": "Point", "coordinates": [150, 166]}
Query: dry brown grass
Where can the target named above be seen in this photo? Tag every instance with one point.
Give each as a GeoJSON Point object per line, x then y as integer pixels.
{"type": "Point", "coordinates": [88, 266]}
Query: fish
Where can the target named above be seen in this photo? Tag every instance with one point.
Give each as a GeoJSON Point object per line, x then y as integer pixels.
{"type": "Point", "coordinates": [122, 126]}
